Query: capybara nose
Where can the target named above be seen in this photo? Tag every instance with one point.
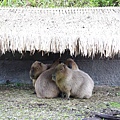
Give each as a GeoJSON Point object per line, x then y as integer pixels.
{"type": "Point", "coordinates": [32, 76]}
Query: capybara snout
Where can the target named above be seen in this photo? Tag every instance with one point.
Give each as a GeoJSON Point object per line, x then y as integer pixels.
{"type": "Point", "coordinates": [32, 73]}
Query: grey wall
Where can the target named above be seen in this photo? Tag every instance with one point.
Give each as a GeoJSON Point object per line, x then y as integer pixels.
{"type": "Point", "coordinates": [103, 72]}
{"type": "Point", "coordinates": [16, 70]}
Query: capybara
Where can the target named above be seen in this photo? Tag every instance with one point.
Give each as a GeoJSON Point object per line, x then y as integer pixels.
{"type": "Point", "coordinates": [36, 69]}
{"type": "Point", "coordinates": [71, 64]}
{"type": "Point", "coordinates": [75, 83]}
{"type": "Point", "coordinates": [45, 87]}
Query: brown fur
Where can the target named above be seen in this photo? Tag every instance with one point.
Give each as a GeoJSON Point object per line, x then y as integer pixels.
{"type": "Point", "coordinates": [36, 69]}
{"type": "Point", "coordinates": [74, 83]}
{"type": "Point", "coordinates": [55, 63]}
{"type": "Point", "coordinates": [71, 64]}
{"type": "Point", "coordinates": [44, 86]}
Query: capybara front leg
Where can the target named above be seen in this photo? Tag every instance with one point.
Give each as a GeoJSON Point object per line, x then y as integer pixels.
{"type": "Point", "coordinates": [68, 95]}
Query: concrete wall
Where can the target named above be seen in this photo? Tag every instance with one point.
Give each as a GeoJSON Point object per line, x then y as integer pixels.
{"type": "Point", "coordinates": [16, 69]}
{"type": "Point", "coordinates": [103, 72]}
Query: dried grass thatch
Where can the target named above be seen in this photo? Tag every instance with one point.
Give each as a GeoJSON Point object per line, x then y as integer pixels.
{"type": "Point", "coordinates": [82, 30]}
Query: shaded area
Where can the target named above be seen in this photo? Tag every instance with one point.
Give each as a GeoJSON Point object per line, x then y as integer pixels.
{"type": "Point", "coordinates": [15, 67]}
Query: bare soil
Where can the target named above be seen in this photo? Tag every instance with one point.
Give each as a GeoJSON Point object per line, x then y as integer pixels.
{"type": "Point", "coordinates": [19, 103]}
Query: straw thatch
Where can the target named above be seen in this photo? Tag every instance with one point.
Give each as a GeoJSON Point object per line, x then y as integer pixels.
{"type": "Point", "coordinates": [81, 30]}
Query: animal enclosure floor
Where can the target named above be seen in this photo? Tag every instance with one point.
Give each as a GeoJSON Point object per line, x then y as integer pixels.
{"type": "Point", "coordinates": [19, 103]}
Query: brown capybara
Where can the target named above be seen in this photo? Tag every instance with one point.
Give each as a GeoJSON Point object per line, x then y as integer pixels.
{"type": "Point", "coordinates": [71, 64]}
{"type": "Point", "coordinates": [36, 69]}
{"type": "Point", "coordinates": [75, 83]}
{"type": "Point", "coordinates": [45, 87]}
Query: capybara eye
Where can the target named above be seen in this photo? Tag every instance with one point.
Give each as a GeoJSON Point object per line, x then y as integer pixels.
{"type": "Point", "coordinates": [37, 68]}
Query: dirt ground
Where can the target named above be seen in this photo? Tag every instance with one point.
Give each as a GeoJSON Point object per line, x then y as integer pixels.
{"type": "Point", "coordinates": [19, 103]}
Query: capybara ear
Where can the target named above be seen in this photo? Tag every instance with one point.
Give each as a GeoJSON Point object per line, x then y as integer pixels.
{"type": "Point", "coordinates": [56, 60]}
{"type": "Point", "coordinates": [64, 66]}
{"type": "Point", "coordinates": [60, 61]}
{"type": "Point", "coordinates": [40, 63]}
{"type": "Point", "coordinates": [70, 66]}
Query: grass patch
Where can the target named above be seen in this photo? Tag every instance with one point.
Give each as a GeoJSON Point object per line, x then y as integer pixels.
{"type": "Point", "coordinates": [118, 93]}
{"type": "Point", "coordinates": [115, 104]}
{"type": "Point", "coordinates": [59, 3]}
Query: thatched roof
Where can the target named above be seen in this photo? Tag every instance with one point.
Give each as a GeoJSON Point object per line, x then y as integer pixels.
{"type": "Point", "coordinates": [82, 30]}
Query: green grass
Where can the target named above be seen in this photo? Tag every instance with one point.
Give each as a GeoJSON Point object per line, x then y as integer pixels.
{"type": "Point", "coordinates": [115, 105]}
{"type": "Point", "coordinates": [118, 93]}
{"type": "Point", "coordinates": [59, 3]}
